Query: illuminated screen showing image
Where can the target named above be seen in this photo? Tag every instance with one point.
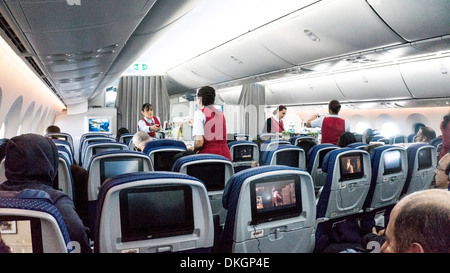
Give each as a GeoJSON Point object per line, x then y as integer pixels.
{"type": "Point", "coordinates": [351, 166]}
{"type": "Point", "coordinates": [243, 153]}
{"type": "Point", "coordinates": [279, 193]}
{"type": "Point", "coordinates": [99, 125]}
{"type": "Point", "coordinates": [275, 198]}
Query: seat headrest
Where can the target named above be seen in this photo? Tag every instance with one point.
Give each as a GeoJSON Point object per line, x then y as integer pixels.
{"type": "Point", "coordinates": [196, 157]}
{"type": "Point", "coordinates": [158, 143]}
{"type": "Point", "coordinates": [233, 186]}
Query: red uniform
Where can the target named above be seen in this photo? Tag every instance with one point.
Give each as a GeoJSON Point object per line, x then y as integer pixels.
{"type": "Point", "coordinates": [215, 134]}
{"type": "Point", "coordinates": [153, 133]}
{"type": "Point", "coordinates": [332, 129]}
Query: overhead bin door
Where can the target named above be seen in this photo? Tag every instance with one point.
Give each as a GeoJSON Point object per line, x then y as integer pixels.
{"type": "Point", "coordinates": [319, 89]}
{"type": "Point", "coordinates": [381, 83]}
{"type": "Point", "coordinates": [341, 27]}
{"type": "Point", "coordinates": [415, 19]}
{"type": "Point", "coordinates": [198, 72]}
{"type": "Point", "coordinates": [427, 79]}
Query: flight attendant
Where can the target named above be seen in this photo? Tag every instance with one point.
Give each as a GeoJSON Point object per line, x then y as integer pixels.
{"type": "Point", "coordinates": [209, 125]}
{"type": "Point", "coordinates": [275, 124]}
{"type": "Point", "coordinates": [149, 123]}
{"type": "Point", "coordinates": [332, 125]}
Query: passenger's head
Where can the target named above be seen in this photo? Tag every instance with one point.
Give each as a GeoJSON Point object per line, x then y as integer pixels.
{"type": "Point", "coordinates": [334, 107]}
{"type": "Point", "coordinates": [442, 172]}
{"type": "Point", "coordinates": [52, 129]}
{"type": "Point", "coordinates": [345, 139]}
{"type": "Point", "coordinates": [369, 148]}
{"type": "Point", "coordinates": [147, 110]}
{"type": "Point", "coordinates": [120, 132]}
{"type": "Point", "coordinates": [306, 144]}
{"type": "Point", "coordinates": [446, 121]}
{"type": "Point", "coordinates": [419, 223]}
{"type": "Point", "coordinates": [140, 139]}
{"type": "Point", "coordinates": [206, 95]}
{"type": "Point", "coordinates": [280, 111]}
{"type": "Point", "coordinates": [425, 134]}
{"type": "Point", "coordinates": [31, 158]}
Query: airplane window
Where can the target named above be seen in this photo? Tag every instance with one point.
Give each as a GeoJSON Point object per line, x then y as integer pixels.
{"type": "Point", "coordinates": [360, 127]}
{"type": "Point", "coordinates": [389, 129]}
{"type": "Point", "coordinates": [417, 126]}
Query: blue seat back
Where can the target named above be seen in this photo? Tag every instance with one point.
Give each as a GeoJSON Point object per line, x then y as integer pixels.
{"type": "Point", "coordinates": [400, 138]}
{"type": "Point", "coordinates": [35, 219]}
{"type": "Point", "coordinates": [63, 136]}
{"type": "Point", "coordinates": [65, 178]}
{"type": "Point", "coordinates": [162, 152]}
{"type": "Point", "coordinates": [115, 204]}
{"type": "Point", "coordinates": [422, 160]}
{"type": "Point", "coordinates": [100, 147]}
{"type": "Point", "coordinates": [341, 198]}
{"type": "Point", "coordinates": [206, 168]}
{"type": "Point", "coordinates": [239, 147]}
{"type": "Point", "coordinates": [283, 155]}
{"type": "Point", "coordinates": [64, 145]}
{"type": "Point", "coordinates": [243, 196]}
{"type": "Point", "coordinates": [389, 171]}
{"type": "Point", "coordinates": [125, 138]}
{"type": "Point", "coordinates": [314, 156]}
{"type": "Point", "coordinates": [89, 138]}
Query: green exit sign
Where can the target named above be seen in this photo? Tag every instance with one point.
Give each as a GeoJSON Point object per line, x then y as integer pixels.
{"type": "Point", "coordinates": [140, 67]}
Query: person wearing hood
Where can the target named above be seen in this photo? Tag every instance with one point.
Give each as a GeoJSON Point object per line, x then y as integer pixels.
{"type": "Point", "coordinates": [31, 162]}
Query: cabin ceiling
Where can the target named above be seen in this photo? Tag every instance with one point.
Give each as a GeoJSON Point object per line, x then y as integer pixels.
{"type": "Point", "coordinates": [351, 50]}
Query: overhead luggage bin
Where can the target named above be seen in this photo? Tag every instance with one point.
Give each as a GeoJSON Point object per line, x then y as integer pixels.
{"type": "Point", "coordinates": [319, 89]}
{"type": "Point", "coordinates": [435, 71]}
{"type": "Point", "coordinates": [298, 38]}
{"type": "Point", "coordinates": [415, 19]}
{"type": "Point", "coordinates": [308, 36]}
{"type": "Point", "coordinates": [379, 83]}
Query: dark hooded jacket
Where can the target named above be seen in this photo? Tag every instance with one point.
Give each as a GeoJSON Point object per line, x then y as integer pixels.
{"type": "Point", "coordinates": [32, 163]}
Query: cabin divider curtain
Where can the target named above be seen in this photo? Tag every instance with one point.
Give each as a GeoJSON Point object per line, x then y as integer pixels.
{"type": "Point", "coordinates": [252, 100]}
{"type": "Point", "coordinates": [133, 92]}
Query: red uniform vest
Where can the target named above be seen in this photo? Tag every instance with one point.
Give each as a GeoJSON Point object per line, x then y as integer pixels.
{"type": "Point", "coordinates": [215, 133]}
{"type": "Point", "coordinates": [153, 133]}
{"type": "Point", "coordinates": [332, 129]}
{"type": "Point", "coordinates": [276, 128]}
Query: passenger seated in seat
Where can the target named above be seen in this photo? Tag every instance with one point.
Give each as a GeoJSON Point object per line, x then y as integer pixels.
{"type": "Point", "coordinates": [418, 224]}
{"type": "Point", "coordinates": [32, 163]}
{"type": "Point", "coordinates": [140, 139]}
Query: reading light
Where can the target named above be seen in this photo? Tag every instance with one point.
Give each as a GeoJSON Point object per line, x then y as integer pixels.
{"type": "Point", "coordinates": [311, 35]}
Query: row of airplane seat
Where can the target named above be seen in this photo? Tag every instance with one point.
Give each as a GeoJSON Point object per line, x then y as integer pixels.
{"type": "Point", "coordinates": [280, 211]}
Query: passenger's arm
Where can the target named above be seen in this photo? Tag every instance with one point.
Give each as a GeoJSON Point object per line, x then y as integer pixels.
{"type": "Point", "coordinates": [198, 143]}
{"type": "Point", "coordinates": [308, 122]}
